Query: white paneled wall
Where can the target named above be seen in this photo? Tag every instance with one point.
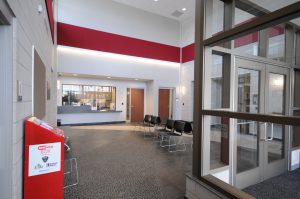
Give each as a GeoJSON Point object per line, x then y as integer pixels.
{"type": "Point", "coordinates": [30, 29]}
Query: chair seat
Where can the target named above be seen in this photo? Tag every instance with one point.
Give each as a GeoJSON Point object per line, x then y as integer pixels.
{"type": "Point", "coordinates": [173, 134]}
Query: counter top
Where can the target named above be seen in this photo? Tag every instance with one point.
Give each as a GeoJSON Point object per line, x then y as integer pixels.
{"type": "Point", "coordinates": [81, 109]}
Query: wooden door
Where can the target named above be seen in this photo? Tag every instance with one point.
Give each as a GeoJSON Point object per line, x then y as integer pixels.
{"type": "Point", "coordinates": [164, 103]}
{"type": "Point", "coordinates": [137, 105]}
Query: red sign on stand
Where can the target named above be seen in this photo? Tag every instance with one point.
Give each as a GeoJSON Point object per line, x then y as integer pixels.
{"type": "Point", "coordinates": [44, 161]}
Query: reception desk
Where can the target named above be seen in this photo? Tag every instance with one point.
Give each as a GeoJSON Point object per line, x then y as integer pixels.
{"type": "Point", "coordinates": [83, 115]}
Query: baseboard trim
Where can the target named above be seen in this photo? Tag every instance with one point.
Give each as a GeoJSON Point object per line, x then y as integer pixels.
{"type": "Point", "coordinates": [94, 123]}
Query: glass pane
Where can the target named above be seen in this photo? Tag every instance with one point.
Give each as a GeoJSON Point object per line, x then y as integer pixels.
{"type": "Point", "coordinates": [217, 17]}
{"type": "Point", "coordinates": [90, 97]}
{"type": "Point", "coordinates": [276, 142]}
{"type": "Point", "coordinates": [276, 94]}
{"type": "Point", "coordinates": [247, 44]}
{"type": "Point", "coordinates": [276, 106]}
{"type": "Point", "coordinates": [296, 132]}
{"type": "Point", "coordinates": [219, 142]}
{"type": "Point", "coordinates": [248, 90]}
{"type": "Point", "coordinates": [276, 44]}
{"type": "Point", "coordinates": [247, 145]}
{"type": "Point", "coordinates": [272, 5]}
{"type": "Point", "coordinates": [216, 82]}
{"type": "Point", "coordinates": [242, 17]}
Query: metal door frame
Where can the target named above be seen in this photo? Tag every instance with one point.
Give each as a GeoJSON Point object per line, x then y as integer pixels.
{"type": "Point", "coordinates": [264, 169]}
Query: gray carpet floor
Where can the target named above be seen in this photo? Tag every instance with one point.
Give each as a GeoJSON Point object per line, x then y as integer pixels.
{"type": "Point", "coordinates": [122, 164]}
{"type": "Point", "coordinates": [286, 186]}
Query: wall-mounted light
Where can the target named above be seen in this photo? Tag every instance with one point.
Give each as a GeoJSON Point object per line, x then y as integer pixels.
{"type": "Point", "coordinates": [40, 8]}
{"type": "Point", "coordinates": [183, 9]}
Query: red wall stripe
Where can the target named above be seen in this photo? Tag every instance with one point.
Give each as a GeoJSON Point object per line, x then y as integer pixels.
{"type": "Point", "coordinates": [188, 53]}
{"type": "Point", "coordinates": [79, 37]}
{"type": "Point", "coordinates": [50, 17]}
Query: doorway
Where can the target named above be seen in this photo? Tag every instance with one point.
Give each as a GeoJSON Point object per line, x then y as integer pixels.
{"type": "Point", "coordinates": [165, 103]}
{"type": "Point", "coordinates": [260, 149]}
{"type": "Point", "coordinates": [136, 105]}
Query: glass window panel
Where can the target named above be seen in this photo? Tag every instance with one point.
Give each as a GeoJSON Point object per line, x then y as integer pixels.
{"type": "Point", "coordinates": [248, 90]}
{"type": "Point", "coordinates": [247, 145]}
{"type": "Point", "coordinates": [96, 97]}
{"type": "Point", "coordinates": [216, 82]}
{"type": "Point", "coordinates": [296, 132]}
{"type": "Point", "coordinates": [276, 43]}
{"type": "Point", "coordinates": [276, 94]}
{"type": "Point", "coordinates": [247, 44]}
{"type": "Point", "coordinates": [273, 5]}
{"type": "Point", "coordinates": [216, 17]}
{"type": "Point", "coordinates": [219, 142]}
{"type": "Point", "coordinates": [242, 17]}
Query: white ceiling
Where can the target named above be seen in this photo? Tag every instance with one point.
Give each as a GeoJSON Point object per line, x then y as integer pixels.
{"type": "Point", "coordinates": [164, 7]}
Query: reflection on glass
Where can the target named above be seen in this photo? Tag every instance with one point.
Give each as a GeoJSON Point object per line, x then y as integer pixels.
{"type": "Point", "coordinates": [247, 44]}
{"type": "Point", "coordinates": [216, 81]}
{"type": "Point", "coordinates": [242, 17]}
{"type": "Point", "coordinates": [217, 17]}
{"type": "Point", "coordinates": [96, 97]}
{"type": "Point", "coordinates": [296, 132]}
{"type": "Point", "coordinates": [247, 145]}
{"type": "Point", "coordinates": [247, 131]}
{"type": "Point", "coordinates": [276, 106]}
{"type": "Point", "coordinates": [276, 44]}
{"type": "Point", "coordinates": [248, 90]}
{"type": "Point", "coordinates": [219, 142]}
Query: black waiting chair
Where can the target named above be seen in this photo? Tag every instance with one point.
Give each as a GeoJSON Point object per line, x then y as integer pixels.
{"type": "Point", "coordinates": [176, 136]}
{"type": "Point", "coordinates": [145, 123]}
{"type": "Point", "coordinates": [153, 124]}
{"type": "Point", "coordinates": [163, 133]}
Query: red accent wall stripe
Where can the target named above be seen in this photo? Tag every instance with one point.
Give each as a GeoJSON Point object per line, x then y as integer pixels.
{"type": "Point", "coordinates": [79, 37]}
{"type": "Point", "coordinates": [50, 17]}
{"type": "Point", "coordinates": [188, 53]}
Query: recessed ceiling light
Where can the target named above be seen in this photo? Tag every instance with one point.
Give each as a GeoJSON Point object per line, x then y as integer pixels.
{"type": "Point", "coordinates": [75, 75]}
{"type": "Point", "coordinates": [155, 0]}
{"type": "Point", "coordinates": [183, 9]}
{"type": "Point", "coordinates": [108, 77]}
{"type": "Point", "coordinates": [136, 79]}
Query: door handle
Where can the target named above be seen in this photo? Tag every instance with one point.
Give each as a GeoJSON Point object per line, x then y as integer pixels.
{"type": "Point", "coordinates": [272, 133]}
{"type": "Point", "coordinates": [264, 137]}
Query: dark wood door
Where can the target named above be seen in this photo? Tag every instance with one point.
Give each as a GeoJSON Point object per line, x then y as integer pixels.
{"type": "Point", "coordinates": [137, 105]}
{"type": "Point", "coordinates": [164, 103]}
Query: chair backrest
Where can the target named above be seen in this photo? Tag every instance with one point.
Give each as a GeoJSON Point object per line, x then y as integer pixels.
{"type": "Point", "coordinates": [170, 124]}
{"type": "Point", "coordinates": [155, 120]}
{"type": "Point", "coordinates": [179, 126]}
{"type": "Point", "coordinates": [147, 118]}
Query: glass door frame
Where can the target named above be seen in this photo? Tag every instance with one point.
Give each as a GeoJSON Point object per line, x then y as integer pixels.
{"type": "Point", "coordinates": [264, 170]}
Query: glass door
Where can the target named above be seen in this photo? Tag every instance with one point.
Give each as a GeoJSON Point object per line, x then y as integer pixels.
{"type": "Point", "coordinates": [276, 139]}
{"type": "Point", "coordinates": [260, 148]}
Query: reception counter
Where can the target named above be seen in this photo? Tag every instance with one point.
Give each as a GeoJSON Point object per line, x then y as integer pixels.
{"type": "Point", "coordinates": [83, 115]}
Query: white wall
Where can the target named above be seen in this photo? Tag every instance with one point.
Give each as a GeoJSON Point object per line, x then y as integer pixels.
{"type": "Point", "coordinates": [187, 32]}
{"type": "Point", "coordinates": [113, 17]}
{"type": "Point", "coordinates": [187, 92]}
{"type": "Point", "coordinates": [30, 29]}
{"type": "Point", "coordinates": [86, 62]}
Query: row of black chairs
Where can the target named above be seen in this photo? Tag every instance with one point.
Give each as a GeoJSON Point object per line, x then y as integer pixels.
{"type": "Point", "coordinates": [170, 133]}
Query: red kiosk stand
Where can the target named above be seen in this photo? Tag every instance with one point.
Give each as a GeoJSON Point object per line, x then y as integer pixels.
{"type": "Point", "coordinates": [44, 161]}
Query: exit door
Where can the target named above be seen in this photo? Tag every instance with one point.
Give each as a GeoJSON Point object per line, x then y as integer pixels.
{"type": "Point", "coordinates": [260, 148]}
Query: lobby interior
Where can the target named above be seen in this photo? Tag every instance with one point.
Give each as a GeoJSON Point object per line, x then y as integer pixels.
{"type": "Point", "coordinates": [156, 98]}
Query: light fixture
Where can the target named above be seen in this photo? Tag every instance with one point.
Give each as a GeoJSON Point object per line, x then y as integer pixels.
{"type": "Point", "coordinates": [75, 75]}
{"type": "Point", "coordinates": [156, 0]}
{"type": "Point", "coordinates": [108, 77]}
{"type": "Point", "coordinates": [119, 57]}
{"type": "Point", "coordinates": [183, 9]}
{"type": "Point", "coordinates": [136, 79]}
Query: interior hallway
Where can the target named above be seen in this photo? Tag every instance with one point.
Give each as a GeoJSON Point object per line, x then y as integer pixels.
{"type": "Point", "coordinates": [115, 161]}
